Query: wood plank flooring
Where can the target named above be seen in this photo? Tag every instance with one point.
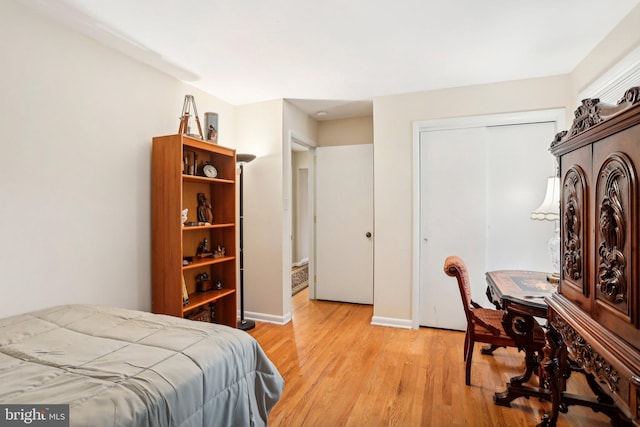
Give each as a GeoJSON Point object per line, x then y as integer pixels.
{"type": "Point", "coordinates": [339, 370]}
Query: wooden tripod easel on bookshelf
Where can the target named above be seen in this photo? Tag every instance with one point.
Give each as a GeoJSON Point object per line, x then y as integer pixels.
{"type": "Point", "coordinates": [184, 119]}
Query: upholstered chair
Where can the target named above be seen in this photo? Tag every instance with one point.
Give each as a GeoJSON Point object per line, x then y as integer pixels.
{"type": "Point", "coordinates": [484, 325]}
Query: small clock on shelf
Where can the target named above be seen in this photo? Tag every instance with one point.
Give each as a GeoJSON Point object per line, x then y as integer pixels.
{"type": "Point", "coordinates": [209, 170]}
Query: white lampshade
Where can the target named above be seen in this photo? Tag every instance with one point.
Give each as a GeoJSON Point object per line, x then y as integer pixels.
{"type": "Point", "coordinates": [549, 210]}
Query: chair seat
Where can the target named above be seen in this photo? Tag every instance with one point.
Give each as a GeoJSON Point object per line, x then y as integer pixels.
{"type": "Point", "coordinates": [493, 317]}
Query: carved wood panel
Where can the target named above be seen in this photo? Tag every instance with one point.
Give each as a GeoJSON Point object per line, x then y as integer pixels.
{"type": "Point", "coordinates": [584, 355]}
{"type": "Point", "coordinates": [614, 190]}
{"type": "Point", "coordinates": [574, 227]}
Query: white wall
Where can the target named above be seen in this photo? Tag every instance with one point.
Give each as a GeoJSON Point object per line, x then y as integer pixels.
{"type": "Point", "coordinates": [75, 161]}
{"type": "Point", "coordinates": [624, 38]}
{"type": "Point", "coordinates": [259, 132]}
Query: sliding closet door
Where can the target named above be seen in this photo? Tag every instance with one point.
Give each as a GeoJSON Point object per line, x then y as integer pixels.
{"type": "Point", "coordinates": [478, 188]}
{"type": "Point", "coordinates": [518, 163]}
{"type": "Point", "coordinates": [452, 182]}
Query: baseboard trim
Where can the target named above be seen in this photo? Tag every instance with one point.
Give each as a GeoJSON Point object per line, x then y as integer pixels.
{"type": "Point", "coordinates": [267, 318]}
{"type": "Point", "coordinates": [391, 322]}
{"type": "Point", "coordinates": [283, 320]}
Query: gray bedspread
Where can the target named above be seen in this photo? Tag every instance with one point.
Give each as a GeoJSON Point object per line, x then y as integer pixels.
{"type": "Point", "coordinates": [118, 367]}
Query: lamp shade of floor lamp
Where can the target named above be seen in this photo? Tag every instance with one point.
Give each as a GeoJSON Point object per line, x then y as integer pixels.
{"type": "Point", "coordinates": [243, 324]}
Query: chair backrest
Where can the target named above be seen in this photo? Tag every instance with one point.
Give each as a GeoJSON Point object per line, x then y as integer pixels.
{"type": "Point", "coordinates": [455, 267]}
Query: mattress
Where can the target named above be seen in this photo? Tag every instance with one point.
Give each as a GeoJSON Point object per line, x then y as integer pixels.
{"type": "Point", "coordinates": [119, 367]}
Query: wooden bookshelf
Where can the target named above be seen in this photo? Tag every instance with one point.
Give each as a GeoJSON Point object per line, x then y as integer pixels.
{"type": "Point", "coordinates": [176, 187]}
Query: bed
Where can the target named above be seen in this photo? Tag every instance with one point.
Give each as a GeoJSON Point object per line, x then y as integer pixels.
{"type": "Point", "coordinates": [120, 367]}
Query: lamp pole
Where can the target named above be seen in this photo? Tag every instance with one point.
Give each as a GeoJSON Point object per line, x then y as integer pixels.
{"type": "Point", "coordinates": [243, 324]}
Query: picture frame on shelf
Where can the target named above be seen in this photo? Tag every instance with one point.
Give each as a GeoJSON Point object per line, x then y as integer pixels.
{"type": "Point", "coordinates": [211, 127]}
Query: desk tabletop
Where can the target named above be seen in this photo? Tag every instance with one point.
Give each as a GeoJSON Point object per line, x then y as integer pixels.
{"type": "Point", "coordinates": [525, 287]}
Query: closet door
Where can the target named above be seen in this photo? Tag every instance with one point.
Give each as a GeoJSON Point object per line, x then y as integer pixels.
{"type": "Point", "coordinates": [518, 164]}
{"type": "Point", "coordinates": [453, 193]}
{"type": "Point", "coordinates": [478, 188]}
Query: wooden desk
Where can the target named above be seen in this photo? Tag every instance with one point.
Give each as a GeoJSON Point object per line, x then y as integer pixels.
{"type": "Point", "coordinates": [528, 288]}
{"type": "Point", "coordinates": [522, 295]}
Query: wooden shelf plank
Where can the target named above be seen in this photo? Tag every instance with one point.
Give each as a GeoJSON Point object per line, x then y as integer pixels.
{"type": "Point", "coordinates": [201, 298]}
{"type": "Point", "coordinates": [197, 178]}
{"type": "Point", "coordinates": [200, 262]}
{"type": "Point", "coordinates": [192, 142]}
{"type": "Point", "coordinates": [204, 227]}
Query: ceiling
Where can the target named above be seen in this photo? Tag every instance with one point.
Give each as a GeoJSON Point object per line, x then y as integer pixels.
{"type": "Point", "coordinates": [337, 55]}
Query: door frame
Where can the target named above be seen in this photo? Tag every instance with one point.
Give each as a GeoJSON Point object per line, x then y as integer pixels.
{"type": "Point", "coordinates": [556, 115]}
{"type": "Point", "coordinates": [287, 232]}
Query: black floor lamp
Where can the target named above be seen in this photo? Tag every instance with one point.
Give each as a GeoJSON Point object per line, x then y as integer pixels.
{"type": "Point", "coordinates": [243, 324]}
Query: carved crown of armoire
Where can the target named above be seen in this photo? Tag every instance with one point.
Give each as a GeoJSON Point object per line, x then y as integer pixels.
{"type": "Point", "coordinates": [594, 317]}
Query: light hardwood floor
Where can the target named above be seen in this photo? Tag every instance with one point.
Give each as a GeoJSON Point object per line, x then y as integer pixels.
{"type": "Point", "coordinates": [339, 370]}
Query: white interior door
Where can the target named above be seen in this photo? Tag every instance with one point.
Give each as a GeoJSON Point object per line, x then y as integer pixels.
{"type": "Point", "coordinates": [344, 217]}
{"type": "Point", "coordinates": [478, 188]}
{"type": "Point", "coordinates": [452, 182]}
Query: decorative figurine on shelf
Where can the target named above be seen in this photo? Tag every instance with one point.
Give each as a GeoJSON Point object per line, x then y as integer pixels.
{"type": "Point", "coordinates": [203, 282]}
{"type": "Point", "coordinates": [205, 211]}
{"type": "Point", "coordinates": [218, 286]}
{"type": "Point", "coordinates": [203, 249]}
{"type": "Point", "coordinates": [219, 253]}
{"type": "Point", "coordinates": [183, 216]}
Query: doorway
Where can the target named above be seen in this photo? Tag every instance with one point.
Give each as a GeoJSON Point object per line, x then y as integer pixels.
{"type": "Point", "coordinates": [301, 216]}
{"type": "Point", "coordinates": [305, 236]}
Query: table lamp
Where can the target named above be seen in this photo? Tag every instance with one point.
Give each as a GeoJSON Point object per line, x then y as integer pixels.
{"type": "Point", "coordinates": [549, 210]}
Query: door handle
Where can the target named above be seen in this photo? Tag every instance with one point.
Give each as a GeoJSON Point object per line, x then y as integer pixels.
{"type": "Point", "coordinates": [368, 234]}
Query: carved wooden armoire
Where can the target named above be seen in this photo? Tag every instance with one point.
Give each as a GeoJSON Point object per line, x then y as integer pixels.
{"type": "Point", "coordinates": [594, 317]}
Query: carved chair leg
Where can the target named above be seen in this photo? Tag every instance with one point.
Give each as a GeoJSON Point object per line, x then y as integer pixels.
{"type": "Point", "coordinates": [468, 363]}
{"type": "Point", "coordinates": [466, 345]}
